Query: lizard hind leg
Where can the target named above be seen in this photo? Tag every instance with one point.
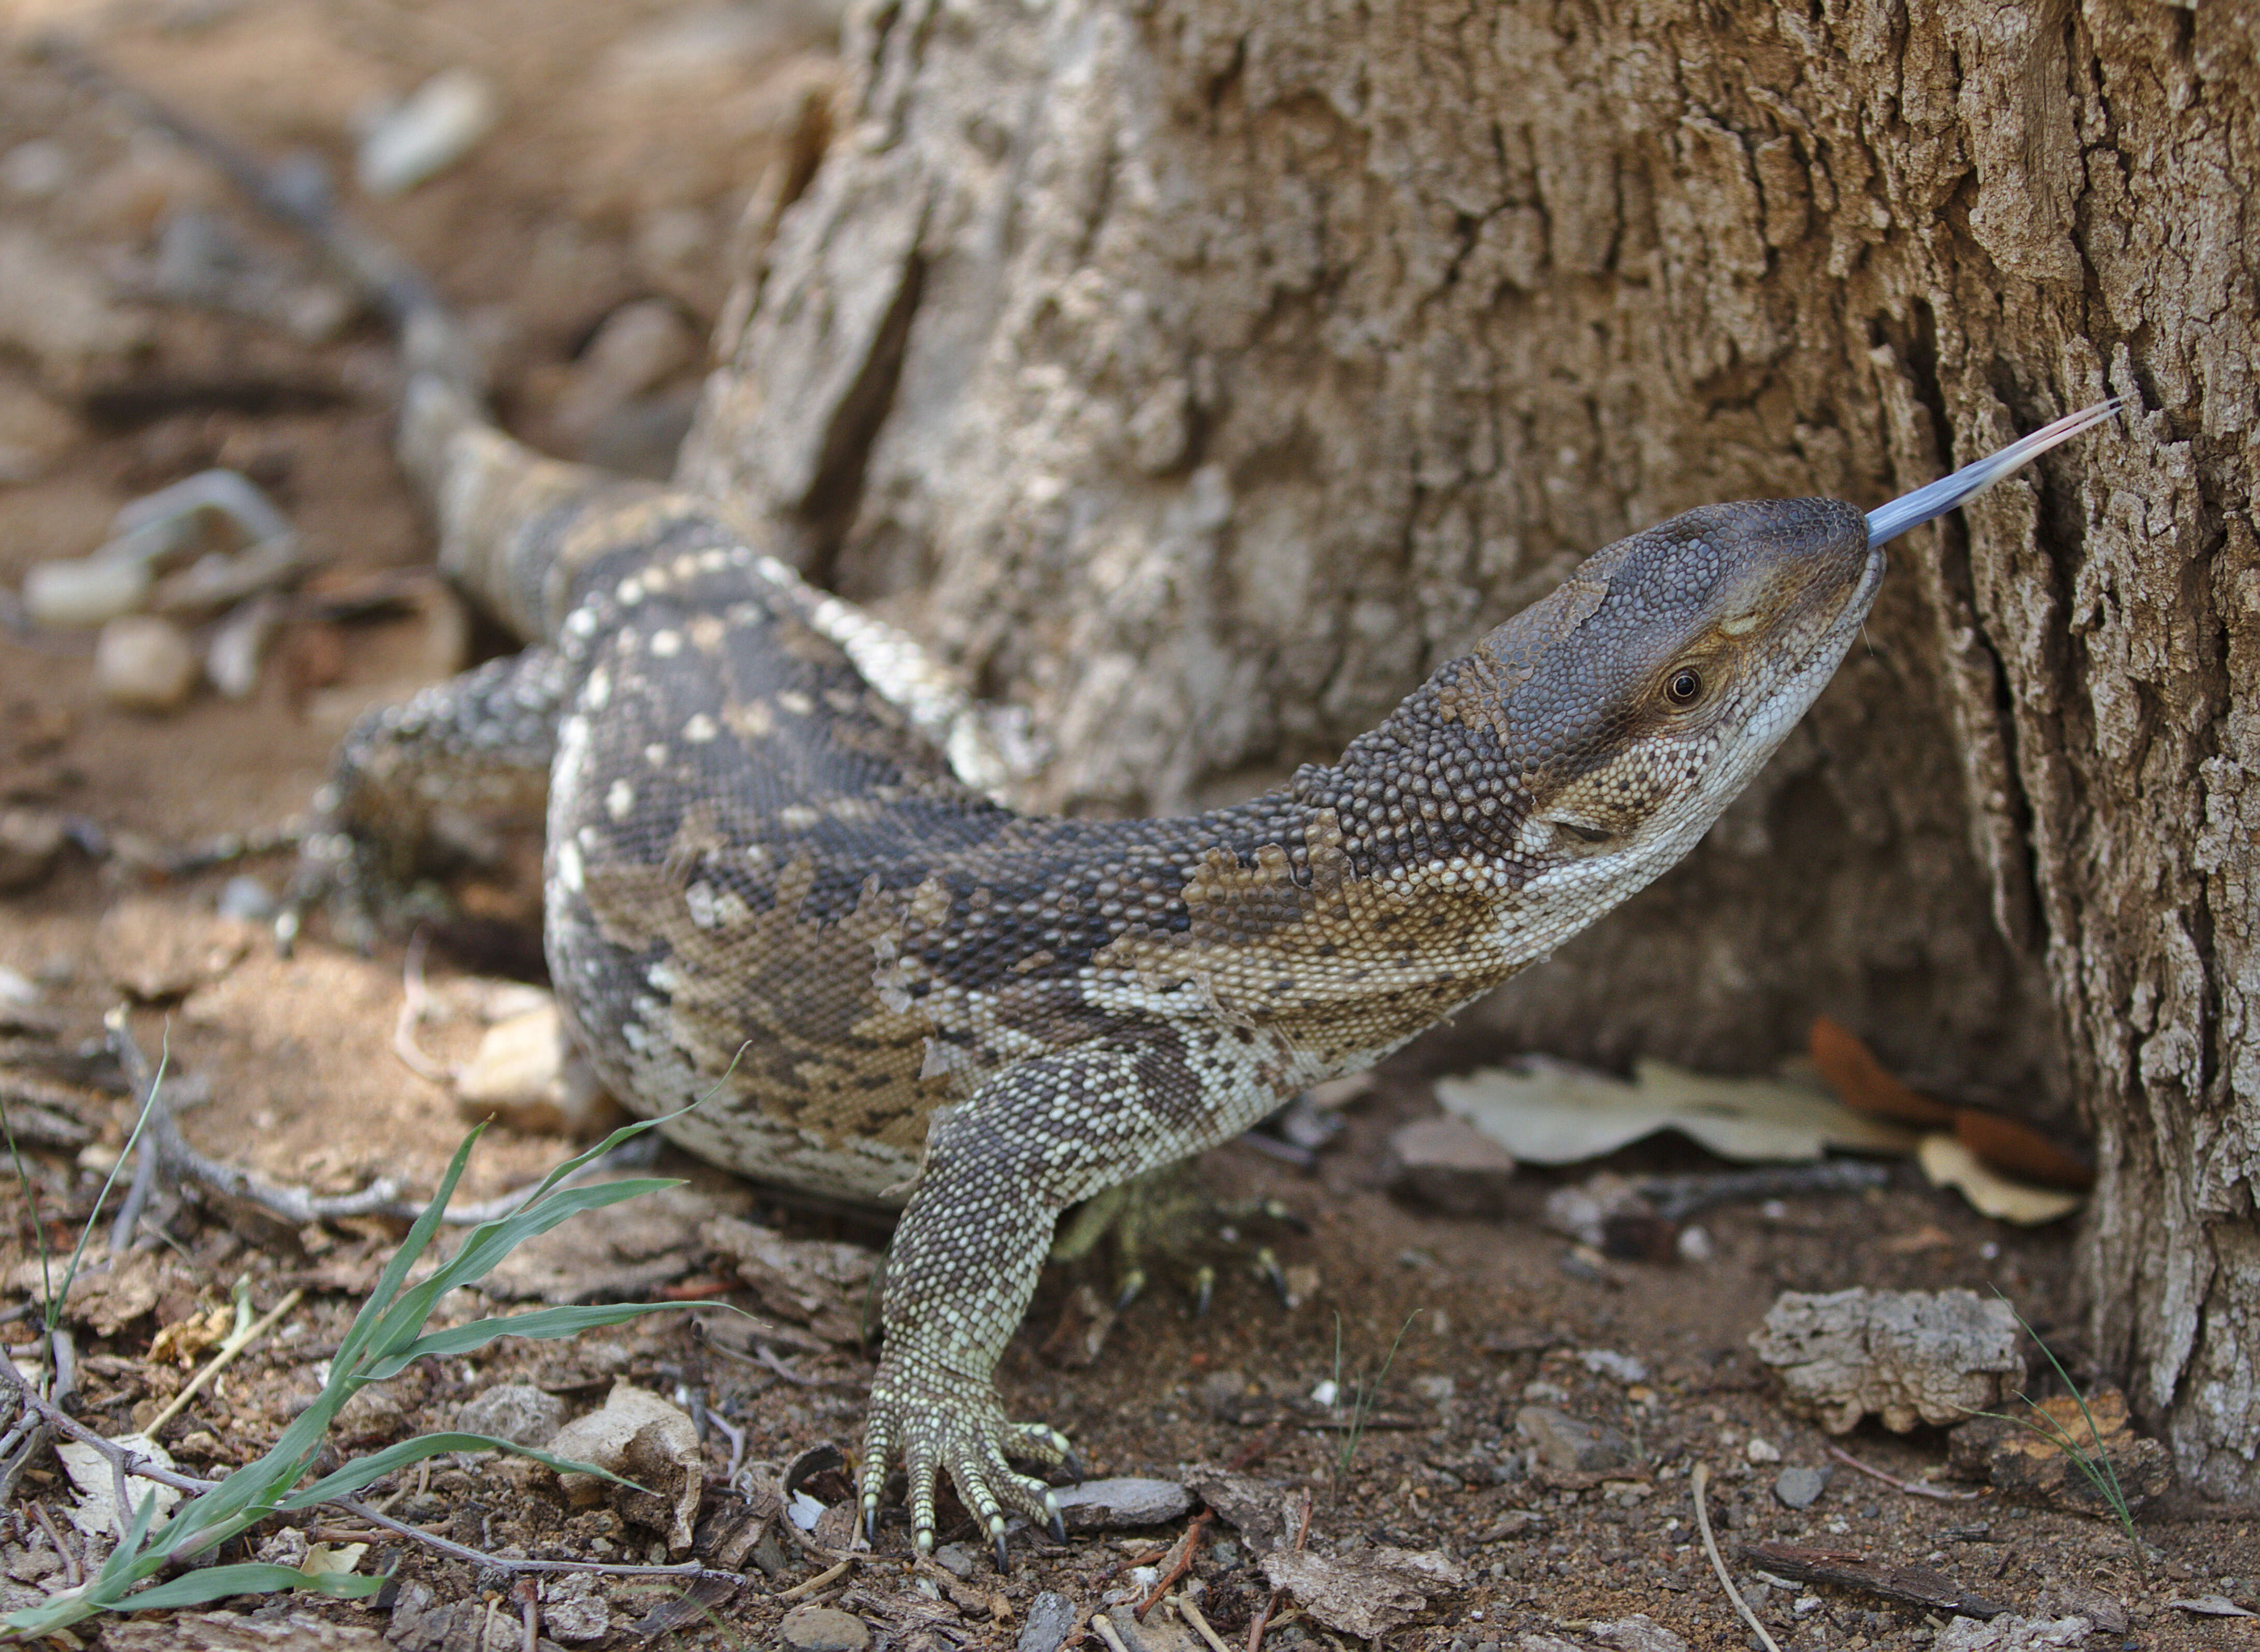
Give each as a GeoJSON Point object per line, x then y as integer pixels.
{"type": "Point", "coordinates": [475, 746]}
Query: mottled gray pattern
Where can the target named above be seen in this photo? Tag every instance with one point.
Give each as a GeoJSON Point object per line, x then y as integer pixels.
{"type": "Point", "coordinates": [769, 886]}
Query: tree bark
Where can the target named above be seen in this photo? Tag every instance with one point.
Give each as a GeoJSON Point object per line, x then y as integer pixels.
{"type": "Point", "coordinates": [1200, 373]}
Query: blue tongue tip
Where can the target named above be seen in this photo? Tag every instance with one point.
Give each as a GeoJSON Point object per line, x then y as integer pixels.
{"type": "Point", "coordinates": [1887, 522]}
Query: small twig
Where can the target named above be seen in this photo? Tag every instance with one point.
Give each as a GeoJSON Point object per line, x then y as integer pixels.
{"type": "Point", "coordinates": [1191, 1614]}
{"type": "Point", "coordinates": [823, 1580]}
{"type": "Point", "coordinates": [511, 1563]}
{"type": "Point", "coordinates": [220, 1360]}
{"type": "Point", "coordinates": [1107, 1632]}
{"type": "Point", "coordinates": [294, 1205]}
{"type": "Point", "coordinates": [72, 1574]}
{"type": "Point", "coordinates": [529, 1612]}
{"type": "Point", "coordinates": [414, 1000]}
{"type": "Point", "coordinates": [1702, 1483]}
{"type": "Point", "coordinates": [1180, 1561]}
{"type": "Point", "coordinates": [1913, 1488]}
{"type": "Point", "coordinates": [53, 1417]}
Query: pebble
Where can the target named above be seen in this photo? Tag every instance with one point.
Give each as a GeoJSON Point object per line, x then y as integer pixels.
{"type": "Point", "coordinates": [822, 1629]}
{"type": "Point", "coordinates": [1049, 1618]}
{"type": "Point", "coordinates": [145, 662]}
{"type": "Point", "coordinates": [433, 127]}
{"type": "Point", "coordinates": [84, 591]}
{"type": "Point", "coordinates": [519, 1412]}
{"type": "Point", "coordinates": [1567, 1444]}
{"type": "Point", "coordinates": [1449, 1165]}
{"type": "Point", "coordinates": [1800, 1488]}
{"type": "Point", "coordinates": [246, 899]}
{"type": "Point", "coordinates": [1102, 1505]}
{"type": "Point", "coordinates": [30, 841]}
{"type": "Point", "coordinates": [1608, 1362]}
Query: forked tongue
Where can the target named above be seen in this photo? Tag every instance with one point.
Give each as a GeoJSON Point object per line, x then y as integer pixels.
{"type": "Point", "coordinates": [1887, 522]}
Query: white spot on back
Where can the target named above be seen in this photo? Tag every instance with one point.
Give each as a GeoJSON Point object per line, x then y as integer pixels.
{"type": "Point", "coordinates": [665, 645]}
{"type": "Point", "coordinates": [700, 729]}
{"type": "Point", "coordinates": [618, 799]}
{"type": "Point", "coordinates": [569, 865]}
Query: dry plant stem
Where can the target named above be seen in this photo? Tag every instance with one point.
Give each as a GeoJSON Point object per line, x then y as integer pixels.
{"type": "Point", "coordinates": [529, 1612]}
{"type": "Point", "coordinates": [507, 1563]}
{"type": "Point", "coordinates": [63, 1422]}
{"type": "Point", "coordinates": [414, 1000]}
{"type": "Point", "coordinates": [1701, 1484]}
{"type": "Point", "coordinates": [293, 1205]}
{"type": "Point", "coordinates": [1192, 1615]}
{"type": "Point", "coordinates": [822, 1580]}
{"type": "Point", "coordinates": [1108, 1633]}
{"type": "Point", "coordinates": [1180, 1562]}
{"type": "Point", "coordinates": [72, 1575]}
{"type": "Point", "coordinates": [1910, 1487]}
{"type": "Point", "coordinates": [220, 1360]}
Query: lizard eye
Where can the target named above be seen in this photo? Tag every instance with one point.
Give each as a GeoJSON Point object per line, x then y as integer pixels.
{"type": "Point", "coordinates": [1686, 686]}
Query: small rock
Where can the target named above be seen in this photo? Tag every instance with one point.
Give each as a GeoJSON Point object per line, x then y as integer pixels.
{"type": "Point", "coordinates": [1365, 1593]}
{"type": "Point", "coordinates": [1694, 1244]}
{"type": "Point", "coordinates": [34, 433]}
{"type": "Point", "coordinates": [155, 950]}
{"type": "Point", "coordinates": [2064, 1598]}
{"type": "Point", "coordinates": [1608, 1362]}
{"type": "Point", "coordinates": [1908, 1356]}
{"type": "Point", "coordinates": [517, 1073]}
{"type": "Point", "coordinates": [87, 590]}
{"type": "Point", "coordinates": [1049, 1618]}
{"type": "Point", "coordinates": [573, 1608]}
{"type": "Point", "coordinates": [30, 841]}
{"type": "Point", "coordinates": [1563, 1444]}
{"type": "Point", "coordinates": [245, 900]}
{"type": "Point", "coordinates": [822, 1629]}
{"type": "Point", "coordinates": [376, 1414]}
{"type": "Point", "coordinates": [2212, 1606]}
{"type": "Point", "coordinates": [649, 1443]}
{"type": "Point", "coordinates": [58, 311]}
{"type": "Point", "coordinates": [145, 662]}
{"type": "Point", "coordinates": [954, 1558]}
{"type": "Point", "coordinates": [1760, 1451]}
{"type": "Point", "coordinates": [2010, 1633]}
{"type": "Point", "coordinates": [519, 1412]}
{"type": "Point", "coordinates": [433, 127]}
{"type": "Point", "coordinates": [1639, 1633]}
{"type": "Point", "coordinates": [1099, 1505]}
{"type": "Point", "coordinates": [1800, 1488]}
{"type": "Point", "coordinates": [1449, 1165]}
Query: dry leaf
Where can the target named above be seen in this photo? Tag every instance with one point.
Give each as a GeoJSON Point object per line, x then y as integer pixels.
{"type": "Point", "coordinates": [1948, 1164]}
{"type": "Point", "coordinates": [93, 1486]}
{"type": "Point", "coordinates": [1865, 1084]}
{"type": "Point", "coordinates": [1549, 1113]}
{"type": "Point", "coordinates": [2022, 1151]}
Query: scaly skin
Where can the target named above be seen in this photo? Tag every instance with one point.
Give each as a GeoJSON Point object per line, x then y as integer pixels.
{"type": "Point", "coordinates": [766, 882]}
{"type": "Point", "coordinates": [774, 873]}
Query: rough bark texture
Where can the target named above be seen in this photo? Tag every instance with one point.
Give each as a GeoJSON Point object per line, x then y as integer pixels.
{"type": "Point", "coordinates": [1200, 373]}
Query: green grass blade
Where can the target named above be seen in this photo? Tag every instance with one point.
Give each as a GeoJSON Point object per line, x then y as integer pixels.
{"type": "Point", "coordinates": [217, 1583]}
{"type": "Point", "coordinates": [542, 1325]}
{"type": "Point", "coordinates": [367, 1470]}
{"type": "Point", "coordinates": [412, 1247]}
{"type": "Point", "coordinates": [482, 1252]}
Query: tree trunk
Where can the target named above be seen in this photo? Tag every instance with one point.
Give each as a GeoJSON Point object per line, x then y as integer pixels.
{"type": "Point", "coordinates": [1200, 373]}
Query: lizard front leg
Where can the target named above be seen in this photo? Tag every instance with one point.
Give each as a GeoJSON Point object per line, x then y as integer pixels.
{"type": "Point", "coordinates": [998, 1171]}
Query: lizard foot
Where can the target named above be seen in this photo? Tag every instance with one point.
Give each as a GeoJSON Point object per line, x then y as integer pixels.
{"type": "Point", "coordinates": [942, 1423]}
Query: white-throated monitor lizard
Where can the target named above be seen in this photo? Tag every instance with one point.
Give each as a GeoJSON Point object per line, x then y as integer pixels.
{"type": "Point", "coordinates": [774, 877]}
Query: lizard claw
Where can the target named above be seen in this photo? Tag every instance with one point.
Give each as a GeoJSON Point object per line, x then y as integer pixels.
{"type": "Point", "coordinates": [942, 1425]}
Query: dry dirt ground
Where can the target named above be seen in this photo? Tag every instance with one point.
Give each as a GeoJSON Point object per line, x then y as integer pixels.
{"type": "Point", "coordinates": [630, 134]}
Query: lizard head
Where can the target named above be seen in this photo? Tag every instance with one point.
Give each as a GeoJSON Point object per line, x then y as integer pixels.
{"type": "Point", "coordinates": [1585, 746]}
{"type": "Point", "coordinates": [1631, 705]}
